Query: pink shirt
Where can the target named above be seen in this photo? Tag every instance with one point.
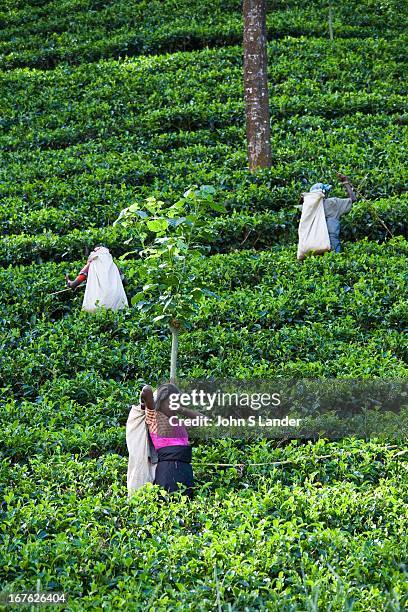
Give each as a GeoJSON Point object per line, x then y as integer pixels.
{"type": "Point", "coordinates": [162, 432]}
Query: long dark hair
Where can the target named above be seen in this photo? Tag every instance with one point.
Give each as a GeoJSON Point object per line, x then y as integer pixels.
{"type": "Point", "coordinates": [164, 392]}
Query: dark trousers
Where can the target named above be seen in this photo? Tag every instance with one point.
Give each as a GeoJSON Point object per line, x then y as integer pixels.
{"type": "Point", "coordinates": [174, 469]}
{"type": "Point", "coordinates": [333, 227]}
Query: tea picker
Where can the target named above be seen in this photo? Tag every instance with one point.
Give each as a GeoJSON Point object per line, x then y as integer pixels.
{"type": "Point", "coordinates": [334, 208]}
{"type": "Point", "coordinates": [104, 286]}
{"type": "Point", "coordinates": [159, 449]}
{"type": "Point", "coordinates": [319, 227]}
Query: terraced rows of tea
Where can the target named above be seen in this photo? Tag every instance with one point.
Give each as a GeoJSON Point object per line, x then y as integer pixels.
{"type": "Point", "coordinates": [103, 104]}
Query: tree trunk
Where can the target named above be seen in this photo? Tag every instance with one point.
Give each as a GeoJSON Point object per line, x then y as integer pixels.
{"type": "Point", "coordinates": [256, 84]}
{"type": "Point", "coordinates": [174, 350]}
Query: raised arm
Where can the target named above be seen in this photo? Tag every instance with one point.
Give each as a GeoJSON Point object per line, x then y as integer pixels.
{"type": "Point", "coordinates": [146, 398]}
{"type": "Point", "coordinates": [344, 180]}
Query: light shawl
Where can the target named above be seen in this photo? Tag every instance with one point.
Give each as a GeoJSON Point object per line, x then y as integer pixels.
{"type": "Point", "coordinates": [313, 232]}
{"type": "Point", "coordinates": [142, 456]}
{"type": "Point", "coordinates": [104, 286]}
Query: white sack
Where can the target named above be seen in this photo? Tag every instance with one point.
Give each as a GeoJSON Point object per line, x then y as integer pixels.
{"type": "Point", "coordinates": [104, 286]}
{"type": "Point", "coordinates": [142, 456]}
{"type": "Point", "coordinates": [313, 233]}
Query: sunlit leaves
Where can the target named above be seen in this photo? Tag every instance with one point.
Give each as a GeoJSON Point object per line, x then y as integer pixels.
{"type": "Point", "coordinates": [171, 237]}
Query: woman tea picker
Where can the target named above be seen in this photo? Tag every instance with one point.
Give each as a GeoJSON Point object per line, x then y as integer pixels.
{"type": "Point", "coordinates": [104, 285]}
{"type": "Point", "coordinates": [319, 227]}
{"type": "Point", "coordinates": [170, 440]}
{"type": "Point", "coordinates": [334, 208]}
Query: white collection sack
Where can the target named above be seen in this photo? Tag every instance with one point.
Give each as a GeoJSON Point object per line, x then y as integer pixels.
{"type": "Point", "coordinates": [142, 455]}
{"type": "Point", "coordinates": [104, 286]}
{"type": "Point", "coordinates": [313, 233]}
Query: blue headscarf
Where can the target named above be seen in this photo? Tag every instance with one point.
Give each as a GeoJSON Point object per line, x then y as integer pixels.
{"type": "Point", "coordinates": [321, 187]}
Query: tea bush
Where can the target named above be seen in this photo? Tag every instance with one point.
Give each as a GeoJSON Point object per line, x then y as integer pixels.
{"type": "Point", "coordinates": [105, 103]}
{"type": "Point", "coordinates": [77, 32]}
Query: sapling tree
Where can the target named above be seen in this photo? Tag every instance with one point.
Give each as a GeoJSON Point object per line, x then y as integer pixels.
{"type": "Point", "coordinates": [171, 240]}
{"type": "Point", "coordinates": [330, 20]}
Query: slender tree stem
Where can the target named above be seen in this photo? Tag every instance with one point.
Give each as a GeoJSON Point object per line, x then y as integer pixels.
{"type": "Point", "coordinates": [174, 350]}
{"type": "Point", "coordinates": [331, 21]}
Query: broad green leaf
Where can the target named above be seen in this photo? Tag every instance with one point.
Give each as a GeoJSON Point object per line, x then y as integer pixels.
{"type": "Point", "coordinates": [207, 189]}
{"type": "Point", "coordinates": [125, 255]}
{"type": "Point", "coordinates": [140, 213]}
{"type": "Point", "coordinates": [217, 207]}
{"type": "Point", "coordinates": [157, 225]}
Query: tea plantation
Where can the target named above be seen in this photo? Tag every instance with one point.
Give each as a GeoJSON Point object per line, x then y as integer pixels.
{"type": "Point", "coordinates": [107, 102]}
